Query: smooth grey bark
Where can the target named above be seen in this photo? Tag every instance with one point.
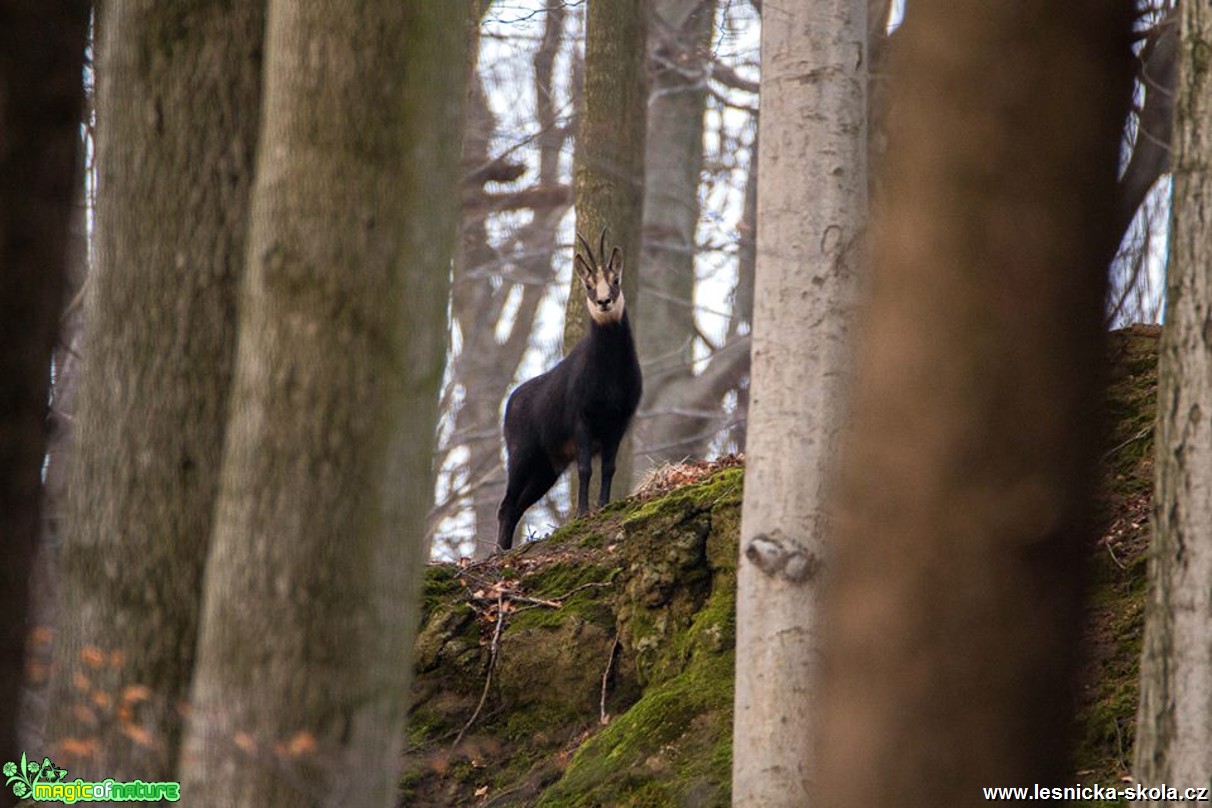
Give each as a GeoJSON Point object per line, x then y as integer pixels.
{"type": "Point", "coordinates": [1174, 723]}
{"type": "Point", "coordinates": [41, 101]}
{"type": "Point", "coordinates": [955, 598]}
{"type": "Point", "coordinates": [178, 101]}
{"type": "Point", "coordinates": [812, 205]}
{"type": "Point", "coordinates": [311, 589]}
{"type": "Point", "coordinates": [679, 57]}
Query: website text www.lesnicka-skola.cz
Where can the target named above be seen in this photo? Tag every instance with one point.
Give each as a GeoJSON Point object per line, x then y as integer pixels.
{"type": "Point", "coordinates": [1132, 793]}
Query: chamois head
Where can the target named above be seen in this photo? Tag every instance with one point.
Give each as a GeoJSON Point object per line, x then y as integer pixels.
{"type": "Point", "coordinates": [603, 280]}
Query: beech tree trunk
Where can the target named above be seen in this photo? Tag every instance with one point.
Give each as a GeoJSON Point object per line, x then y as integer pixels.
{"type": "Point", "coordinates": [812, 197]}
{"type": "Point", "coordinates": [609, 164]}
{"type": "Point", "coordinates": [1174, 724]}
{"type": "Point", "coordinates": [312, 586]}
{"type": "Point", "coordinates": [178, 101]}
{"type": "Point", "coordinates": [41, 101]}
{"type": "Point", "coordinates": [679, 54]}
{"type": "Point", "coordinates": [955, 602]}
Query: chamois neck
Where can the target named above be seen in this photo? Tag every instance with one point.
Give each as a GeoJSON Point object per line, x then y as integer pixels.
{"type": "Point", "coordinates": [610, 343]}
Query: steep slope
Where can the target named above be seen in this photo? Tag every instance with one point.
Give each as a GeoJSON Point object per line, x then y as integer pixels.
{"type": "Point", "coordinates": [594, 667]}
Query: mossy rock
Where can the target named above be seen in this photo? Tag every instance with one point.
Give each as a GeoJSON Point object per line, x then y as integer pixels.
{"type": "Point", "coordinates": [640, 595]}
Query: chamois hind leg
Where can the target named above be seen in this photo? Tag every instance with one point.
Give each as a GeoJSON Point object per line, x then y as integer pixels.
{"type": "Point", "coordinates": [527, 484]}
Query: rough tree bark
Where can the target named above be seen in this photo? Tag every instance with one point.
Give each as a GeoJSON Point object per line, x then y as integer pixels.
{"type": "Point", "coordinates": [1174, 725]}
{"type": "Point", "coordinates": [955, 598]}
{"type": "Point", "coordinates": [812, 198]}
{"type": "Point", "coordinates": [609, 164]}
{"type": "Point", "coordinates": [41, 100]}
{"type": "Point", "coordinates": [311, 589]}
{"type": "Point", "coordinates": [178, 100]}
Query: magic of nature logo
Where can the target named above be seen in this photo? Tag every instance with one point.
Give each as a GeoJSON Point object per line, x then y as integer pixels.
{"type": "Point", "coordinates": [46, 782]}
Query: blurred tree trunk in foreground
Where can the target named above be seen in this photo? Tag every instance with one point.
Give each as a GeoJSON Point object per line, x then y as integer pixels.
{"type": "Point", "coordinates": [811, 215]}
{"type": "Point", "coordinates": [953, 615]}
{"type": "Point", "coordinates": [178, 103]}
{"type": "Point", "coordinates": [41, 100]}
{"type": "Point", "coordinates": [1174, 726]}
{"type": "Point", "coordinates": [312, 586]}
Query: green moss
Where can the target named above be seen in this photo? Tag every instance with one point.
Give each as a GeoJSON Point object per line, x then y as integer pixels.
{"type": "Point", "coordinates": [1130, 407]}
{"type": "Point", "coordinates": [558, 663]}
{"type": "Point", "coordinates": [723, 539]}
{"type": "Point", "coordinates": [441, 581]}
{"type": "Point", "coordinates": [450, 638]}
{"type": "Point", "coordinates": [661, 749]}
{"type": "Point", "coordinates": [409, 781]}
{"type": "Point", "coordinates": [582, 591]}
{"type": "Point", "coordinates": [1106, 724]}
{"type": "Point", "coordinates": [538, 722]}
{"type": "Point", "coordinates": [592, 530]}
{"type": "Point", "coordinates": [617, 506]}
{"type": "Point", "coordinates": [721, 488]}
{"type": "Point", "coordinates": [593, 539]}
{"type": "Point", "coordinates": [561, 578]}
{"type": "Point", "coordinates": [673, 746]}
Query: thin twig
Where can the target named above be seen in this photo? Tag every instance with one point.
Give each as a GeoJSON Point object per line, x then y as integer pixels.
{"type": "Point", "coordinates": [1142, 434]}
{"type": "Point", "coordinates": [614, 648]}
{"type": "Point", "coordinates": [549, 604]}
{"type": "Point", "coordinates": [494, 650]}
{"type": "Point", "coordinates": [557, 602]}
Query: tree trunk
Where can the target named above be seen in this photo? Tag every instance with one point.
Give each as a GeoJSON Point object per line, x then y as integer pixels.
{"type": "Point", "coordinates": [178, 99]}
{"type": "Point", "coordinates": [609, 168]}
{"type": "Point", "coordinates": [742, 296]}
{"type": "Point", "coordinates": [311, 590]}
{"type": "Point", "coordinates": [478, 368]}
{"type": "Point", "coordinates": [486, 368]}
{"type": "Point", "coordinates": [811, 214]}
{"type": "Point", "coordinates": [679, 53]}
{"type": "Point", "coordinates": [41, 100]}
{"type": "Point", "coordinates": [1174, 726]}
{"type": "Point", "coordinates": [956, 597]}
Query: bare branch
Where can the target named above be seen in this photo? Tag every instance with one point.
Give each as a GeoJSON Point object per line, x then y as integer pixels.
{"type": "Point", "coordinates": [1151, 151]}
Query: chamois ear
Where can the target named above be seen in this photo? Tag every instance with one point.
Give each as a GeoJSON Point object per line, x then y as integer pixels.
{"type": "Point", "coordinates": [582, 267]}
{"type": "Point", "coordinates": [616, 262]}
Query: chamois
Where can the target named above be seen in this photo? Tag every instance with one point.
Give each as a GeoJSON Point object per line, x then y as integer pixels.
{"type": "Point", "coordinates": [579, 408]}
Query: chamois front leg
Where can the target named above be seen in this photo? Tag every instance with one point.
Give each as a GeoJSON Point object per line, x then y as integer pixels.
{"type": "Point", "coordinates": [584, 469]}
{"type": "Point", "coordinates": [609, 450]}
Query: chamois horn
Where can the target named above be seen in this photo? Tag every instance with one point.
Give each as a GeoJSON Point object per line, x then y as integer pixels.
{"type": "Point", "coordinates": [602, 248]}
{"type": "Point", "coordinates": [588, 249]}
